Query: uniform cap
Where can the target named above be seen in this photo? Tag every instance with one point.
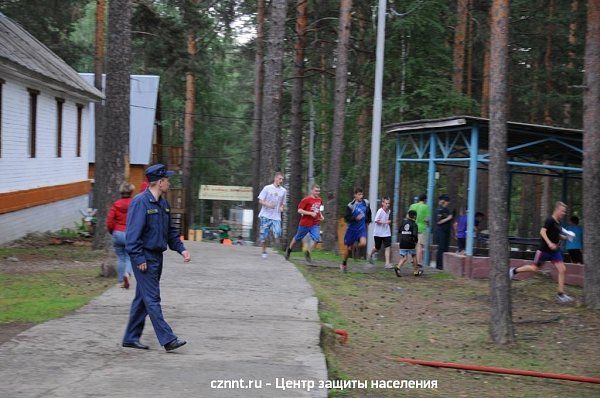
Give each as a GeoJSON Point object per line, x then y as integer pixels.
{"type": "Point", "coordinates": [157, 171]}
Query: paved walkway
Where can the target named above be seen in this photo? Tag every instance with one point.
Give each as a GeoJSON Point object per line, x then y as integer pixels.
{"type": "Point", "coordinates": [243, 317]}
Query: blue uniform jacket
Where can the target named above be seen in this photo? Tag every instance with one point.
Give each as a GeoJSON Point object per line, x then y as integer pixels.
{"type": "Point", "coordinates": [149, 227]}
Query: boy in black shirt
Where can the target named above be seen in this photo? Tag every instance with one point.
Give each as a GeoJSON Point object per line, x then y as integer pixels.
{"type": "Point", "coordinates": [443, 226]}
{"type": "Point", "coordinates": [549, 250]}
{"type": "Point", "coordinates": [408, 235]}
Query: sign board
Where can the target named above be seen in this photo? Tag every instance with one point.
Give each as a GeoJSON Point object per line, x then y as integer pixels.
{"type": "Point", "coordinates": [226, 192]}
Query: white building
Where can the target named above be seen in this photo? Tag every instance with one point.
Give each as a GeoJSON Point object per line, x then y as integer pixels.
{"type": "Point", "coordinates": [44, 106]}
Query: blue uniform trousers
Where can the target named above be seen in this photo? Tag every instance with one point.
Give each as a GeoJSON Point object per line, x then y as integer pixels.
{"type": "Point", "coordinates": [147, 302]}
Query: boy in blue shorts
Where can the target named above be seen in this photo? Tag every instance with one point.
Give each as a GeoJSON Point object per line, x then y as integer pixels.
{"type": "Point", "coordinates": [408, 235]}
{"type": "Point", "coordinates": [358, 216]}
{"type": "Point", "coordinates": [551, 234]}
{"type": "Point", "coordinates": [272, 199]}
{"type": "Point", "coordinates": [310, 210]}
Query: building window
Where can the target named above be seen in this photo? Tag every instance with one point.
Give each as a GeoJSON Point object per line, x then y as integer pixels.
{"type": "Point", "coordinates": [59, 123]}
{"type": "Point", "coordinates": [79, 121]}
{"type": "Point", "coordinates": [33, 95]}
{"type": "Point", "coordinates": [1, 85]}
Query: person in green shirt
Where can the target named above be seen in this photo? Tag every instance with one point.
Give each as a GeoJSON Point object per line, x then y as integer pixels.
{"type": "Point", "coordinates": [423, 217]}
{"type": "Point", "coordinates": [224, 232]}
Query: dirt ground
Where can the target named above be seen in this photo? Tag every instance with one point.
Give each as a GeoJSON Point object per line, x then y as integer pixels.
{"type": "Point", "coordinates": [442, 318]}
{"type": "Point", "coordinates": [38, 255]}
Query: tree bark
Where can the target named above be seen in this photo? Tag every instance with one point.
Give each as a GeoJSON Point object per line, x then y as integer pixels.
{"type": "Point", "coordinates": [99, 46]}
{"type": "Point", "coordinates": [591, 156]}
{"type": "Point", "coordinates": [567, 106]}
{"type": "Point", "coordinates": [469, 91]}
{"type": "Point", "coordinates": [296, 123]}
{"type": "Point", "coordinates": [271, 110]}
{"type": "Point", "coordinates": [188, 130]}
{"type": "Point", "coordinates": [460, 34]}
{"type": "Point", "coordinates": [113, 150]}
{"type": "Point", "coordinates": [548, 65]}
{"type": "Point", "coordinates": [501, 326]}
{"type": "Point", "coordinates": [485, 88]}
{"type": "Point", "coordinates": [258, 98]}
{"type": "Point", "coordinates": [362, 122]}
{"type": "Point", "coordinates": [339, 113]}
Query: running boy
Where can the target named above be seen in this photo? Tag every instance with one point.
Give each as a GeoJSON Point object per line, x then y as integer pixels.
{"type": "Point", "coordinates": [409, 236]}
{"type": "Point", "coordinates": [358, 215]}
{"type": "Point", "coordinates": [272, 200]}
{"type": "Point", "coordinates": [549, 250]}
{"type": "Point", "coordinates": [382, 233]}
{"type": "Point", "coordinates": [310, 210]}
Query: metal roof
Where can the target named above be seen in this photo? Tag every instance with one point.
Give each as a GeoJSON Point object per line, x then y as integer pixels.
{"type": "Point", "coordinates": [143, 98]}
{"type": "Point", "coordinates": [24, 54]}
{"type": "Point", "coordinates": [534, 142]}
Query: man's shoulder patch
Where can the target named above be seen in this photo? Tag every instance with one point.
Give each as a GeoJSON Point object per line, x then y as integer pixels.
{"type": "Point", "coordinates": [151, 211]}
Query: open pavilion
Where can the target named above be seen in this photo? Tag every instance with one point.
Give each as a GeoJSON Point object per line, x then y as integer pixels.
{"type": "Point", "coordinates": [460, 140]}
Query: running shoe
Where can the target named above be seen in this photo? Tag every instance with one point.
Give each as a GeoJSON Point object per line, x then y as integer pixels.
{"type": "Point", "coordinates": [288, 251]}
{"type": "Point", "coordinates": [264, 255]}
{"type": "Point", "coordinates": [564, 298]}
{"type": "Point", "coordinates": [418, 273]}
{"type": "Point", "coordinates": [372, 259]}
{"type": "Point", "coordinates": [344, 268]}
{"type": "Point", "coordinates": [308, 257]}
{"type": "Point", "coordinates": [397, 271]}
{"type": "Point", "coordinates": [126, 281]}
{"type": "Point", "coordinates": [511, 273]}
{"type": "Point", "coordinates": [388, 266]}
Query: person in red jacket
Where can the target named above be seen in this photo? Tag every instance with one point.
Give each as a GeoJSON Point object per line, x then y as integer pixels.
{"type": "Point", "coordinates": [116, 225]}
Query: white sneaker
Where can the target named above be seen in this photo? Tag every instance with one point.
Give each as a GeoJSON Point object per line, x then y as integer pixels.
{"type": "Point", "coordinates": [264, 255]}
{"type": "Point", "coordinates": [511, 273]}
{"type": "Point", "coordinates": [564, 298]}
{"type": "Point", "coordinates": [388, 266]}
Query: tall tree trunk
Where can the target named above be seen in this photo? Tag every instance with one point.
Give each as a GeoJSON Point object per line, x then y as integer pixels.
{"type": "Point", "coordinates": [99, 59]}
{"type": "Point", "coordinates": [114, 138]}
{"type": "Point", "coordinates": [271, 109]}
{"type": "Point", "coordinates": [485, 87]}
{"type": "Point", "coordinates": [567, 106]}
{"type": "Point", "coordinates": [548, 65]}
{"type": "Point", "coordinates": [591, 156]}
{"type": "Point", "coordinates": [501, 326]}
{"type": "Point", "coordinates": [99, 46]}
{"type": "Point", "coordinates": [324, 125]}
{"type": "Point", "coordinates": [339, 113]}
{"type": "Point", "coordinates": [296, 123]}
{"type": "Point", "coordinates": [258, 98]}
{"type": "Point", "coordinates": [362, 122]}
{"type": "Point", "coordinates": [469, 91]}
{"type": "Point", "coordinates": [460, 34]}
{"type": "Point", "coordinates": [188, 130]}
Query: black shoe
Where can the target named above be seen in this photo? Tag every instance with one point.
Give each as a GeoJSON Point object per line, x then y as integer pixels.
{"type": "Point", "coordinates": [135, 344]}
{"type": "Point", "coordinates": [175, 344]}
{"type": "Point", "coordinates": [397, 271]}
{"type": "Point", "coordinates": [288, 251]}
{"type": "Point", "coordinates": [308, 257]}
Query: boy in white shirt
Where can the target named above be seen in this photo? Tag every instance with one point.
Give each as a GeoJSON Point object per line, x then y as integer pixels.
{"type": "Point", "coordinates": [272, 199]}
{"type": "Point", "coordinates": [382, 232]}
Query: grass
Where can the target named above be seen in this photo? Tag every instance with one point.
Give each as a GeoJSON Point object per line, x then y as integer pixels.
{"type": "Point", "coordinates": [54, 252]}
{"type": "Point", "coordinates": [445, 318]}
{"type": "Point", "coordinates": [43, 296]}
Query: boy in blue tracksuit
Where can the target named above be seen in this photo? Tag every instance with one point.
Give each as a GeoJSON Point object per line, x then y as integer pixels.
{"type": "Point", "coordinates": [358, 216]}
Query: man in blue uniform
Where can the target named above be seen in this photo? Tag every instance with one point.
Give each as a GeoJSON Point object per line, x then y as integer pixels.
{"type": "Point", "coordinates": [149, 232]}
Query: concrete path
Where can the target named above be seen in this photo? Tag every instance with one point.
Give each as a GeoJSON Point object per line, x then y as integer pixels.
{"type": "Point", "coordinates": [245, 319]}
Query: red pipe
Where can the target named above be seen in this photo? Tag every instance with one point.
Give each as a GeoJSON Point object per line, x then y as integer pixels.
{"type": "Point", "coordinates": [492, 369]}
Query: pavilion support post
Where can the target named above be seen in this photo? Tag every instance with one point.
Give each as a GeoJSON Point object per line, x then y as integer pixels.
{"type": "Point", "coordinates": [565, 189]}
{"type": "Point", "coordinates": [472, 195]}
{"type": "Point", "coordinates": [430, 193]}
{"type": "Point", "coordinates": [395, 216]}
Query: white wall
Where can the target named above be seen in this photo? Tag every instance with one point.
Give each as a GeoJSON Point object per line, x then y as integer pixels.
{"type": "Point", "coordinates": [50, 217]}
{"type": "Point", "coordinates": [17, 170]}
